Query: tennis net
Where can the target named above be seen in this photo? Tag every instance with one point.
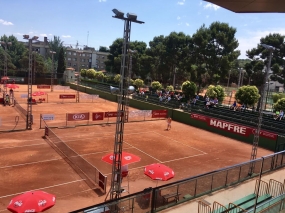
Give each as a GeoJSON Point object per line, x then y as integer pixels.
{"type": "Point", "coordinates": [20, 109]}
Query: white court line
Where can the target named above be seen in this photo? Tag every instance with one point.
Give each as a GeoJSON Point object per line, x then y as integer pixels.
{"type": "Point", "coordinates": [47, 187]}
{"type": "Point", "coordinates": [104, 136]}
{"type": "Point", "coordinates": [142, 151]}
{"type": "Point", "coordinates": [23, 164]}
{"type": "Point", "coordinates": [180, 143]}
{"type": "Point", "coordinates": [11, 147]}
{"type": "Point", "coordinates": [191, 156]}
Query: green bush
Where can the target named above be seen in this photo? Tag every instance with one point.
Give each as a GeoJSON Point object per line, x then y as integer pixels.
{"type": "Point", "coordinates": [170, 88]}
{"type": "Point", "coordinates": [248, 95]}
{"type": "Point", "coordinates": [156, 85]}
{"type": "Point", "coordinates": [277, 96]}
{"type": "Point", "coordinates": [279, 105]}
{"type": "Point", "coordinates": [216, 92]}
{"type": "Point", "coordinates": [189, 89]}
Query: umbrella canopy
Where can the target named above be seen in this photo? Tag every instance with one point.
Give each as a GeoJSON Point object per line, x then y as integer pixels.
{"type": "Point", "coordinates": [38, 93]}
{"type": "Point", "coordinates": [33, 201]}
{"type": "Point", "coordinates": [127, 158]}
{"type": "Point", "coordinates": [5, 78]}
{"type": "Point", "coordinates": [159, 171]}
{"type": "Point", "coordinates": [12, 86]}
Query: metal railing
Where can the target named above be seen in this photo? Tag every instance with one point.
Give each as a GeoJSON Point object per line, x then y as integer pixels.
{"type": "Point", "coordinates": [193, 187]}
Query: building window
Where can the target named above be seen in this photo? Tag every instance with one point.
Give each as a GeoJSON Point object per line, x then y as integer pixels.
{"type": "Point", "coordinates": [83, 54]}
{"type": "Point", "coordinates": [103, 57]}
{"type": "Point", "coordinates": [74, 53]}
{"type": "Point", "coordinates": [69, 59]}
{"type": "Point", "coordinates": [69, 53]}
{"type": "Point", "coordinates": [69, 64]}
{"type": "Point", "coordinates": [74, 59]}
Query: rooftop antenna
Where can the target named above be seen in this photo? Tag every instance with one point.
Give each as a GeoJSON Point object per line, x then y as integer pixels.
{"type": "Point", "coordinates": [77, 44]}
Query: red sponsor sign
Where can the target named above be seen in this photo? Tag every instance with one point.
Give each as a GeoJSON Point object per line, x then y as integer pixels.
{"type": "Point", "coordinates": [78, 116]}
{"type": "Point", "coordinates": [67, 96]}
{"type": "Point", "coordinates": [96, 116]}
{"type": "Point", "coordinates": [43, 86]}
{"type": "Point", "coordinates": [112, 114]}
{"type": "Point", "coordinates": [160, 113]}
{"type": "Point", "coordinates": [232, 127]}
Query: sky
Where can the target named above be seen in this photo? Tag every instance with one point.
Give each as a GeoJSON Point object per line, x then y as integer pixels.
{"type": "Point", "coordinates": [90, 22]}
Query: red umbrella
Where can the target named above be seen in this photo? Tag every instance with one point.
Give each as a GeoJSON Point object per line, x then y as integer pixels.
{"type": "Point", "coordinates": [127, 158]}
{"type": "Point", "coordinates": [158, 171]}
{"type": "Point", "coordinates": [33, 201]}
{"type": "Point", "coordinates": [5, 78]}
{"type": "Point", "coordinates": [12, 86]}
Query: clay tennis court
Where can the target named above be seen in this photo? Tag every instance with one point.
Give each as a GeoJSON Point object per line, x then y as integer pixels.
{"type": "Point", "coordinates": [28, 162]}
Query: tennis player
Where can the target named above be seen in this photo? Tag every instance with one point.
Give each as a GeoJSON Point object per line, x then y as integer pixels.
{"type": "Point", "coordinates": [168, 123]}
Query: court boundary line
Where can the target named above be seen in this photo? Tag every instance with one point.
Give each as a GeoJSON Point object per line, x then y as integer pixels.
{"type": "Point", "coordinates": [34, 162]}
{"type": "Point", "coordinates": [47, 187]}
{"type": "Point", "coordinates": [142, 151]}
{"type": "Point", "coordinates": [11, 147]}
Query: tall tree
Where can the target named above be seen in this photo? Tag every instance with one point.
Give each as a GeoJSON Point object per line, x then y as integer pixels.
{"type": "Point", "coordinates": [103, 49]}
{"type": "Point", "coordinates": [55, 45]}
{"type": "Point", "coordinates": [61, 65]}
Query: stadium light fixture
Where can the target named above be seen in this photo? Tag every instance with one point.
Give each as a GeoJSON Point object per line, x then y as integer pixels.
{"type": "Point", "coordinates": [118, 13]}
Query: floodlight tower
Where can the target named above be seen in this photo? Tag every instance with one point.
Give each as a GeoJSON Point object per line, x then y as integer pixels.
{"type": "Point", "coordinates": [5, 44]}
{"type": "Point", "coordinates": [29, 120]}
{"type": "Point", "coordinates": [52, 72]}
{"type": "Point", "coordinates": [261, 107]}
{"type": "Point", "coordinates": [115, 190]}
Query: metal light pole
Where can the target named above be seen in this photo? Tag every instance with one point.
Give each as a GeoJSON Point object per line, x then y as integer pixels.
{"type": "Point", "coordinates": [5, 44]}
{"type": "Point", "coordinates": [239, 78]}
{"type": "Point", "coordinates": [174, 75]}
{"type": "Point", "coordinates": [52, 72]}
{"type": "Point", "coordinates": [258, 128]}
{"type": "Point", "coordinates": [78, 75]}
{"type": "Point", "coordinates": [115, 189]}
{"type": "Point", "coordinates": [29, 120]}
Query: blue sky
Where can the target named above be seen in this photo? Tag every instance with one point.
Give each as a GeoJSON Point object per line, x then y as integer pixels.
{"type": "Point", "coordinates": [73, 19]}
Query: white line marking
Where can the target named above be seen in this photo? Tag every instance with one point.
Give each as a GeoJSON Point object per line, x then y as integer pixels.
{"type": "Point", "coordinates": [142, 151]}
{"type": "Point", "coordinates": [61, 184]}
{"type": "Point", "coordinates": [100, 152]}
{"type": "Point", "coordinates": [36, 144]}
{"type": "Point", "coordinates": [180, 142]}
{"type": "Point", "coordinates": [23, 164]}
{"type": "Point", "coordinates": [184, 158]}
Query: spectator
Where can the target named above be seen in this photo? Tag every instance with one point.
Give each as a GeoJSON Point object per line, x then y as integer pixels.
{"type": "Point", "coordinates": [280, 115]}
{"type": "Point", "coordinates": [160, 98]}
{"type": "Point", "coordinates": [194, 101]}
{"type": "Point", "coordinates": [215, 102]}
{"type": "Point", "coordinates": [168, 99]}
{"type": "Point", "coordinates": [197, 97]}
{"type": "Point", "coordinates": [234, 106]}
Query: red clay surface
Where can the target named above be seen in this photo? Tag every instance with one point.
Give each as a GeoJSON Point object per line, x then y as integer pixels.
{"type": "Point", "coordinates": [28, 162]}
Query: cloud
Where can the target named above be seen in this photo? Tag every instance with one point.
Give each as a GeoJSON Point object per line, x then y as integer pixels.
{"type": "Point", "coordinates": [66, 36]}
{"type": "Point", "coordinates": [43, 34]}
{"type": "Point", "coordinates": [250, 39]}
{"type": "Point", "coordinates": [178, 17]}
{"type": "Point", "coordinates": [5, 22]}
{"type": "Point", "coordinates": [102, 0]}
{"type": "Point", "coordinates": [181, 2]}
{"type": "Point", "coordinates": [50, 34]}
{"type": "Point", "coordinates": [187, 24]}
{"type": "Point", "coordinates": [211, 6]}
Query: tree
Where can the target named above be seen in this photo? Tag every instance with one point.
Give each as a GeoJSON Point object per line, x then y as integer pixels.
{"type": "Point", "coordinates": [99, 76]}
{"type": "Point", "coordinates": [247, 95]}
{"type": "Point", "coordinates": [61, 65]}
{"type": "Point", "coordinates": [103, 49]}
{"type": "Point", "coordinates": [280, 105]}
{"type": "Point", "coordinates": [90, 73]}
{"type": "Point", "coordinates": [83, 73]}
{"type": "Point", "coordinates": [216, 92]}
{"type": "Point", "coordinates": [117, 78]}
{"type": "Point", "coordinates": [55, 45]}
{"type": "Point", "coordinates": [156, 85]}
{"type": "Point", "coordinates": [189, 89]}
{"type": "Point", "coordinates": [277, 96]}
{"type": "Point", "coordinates": [170, 88]}
{"type": "Point", "coordinates": [139, 83]}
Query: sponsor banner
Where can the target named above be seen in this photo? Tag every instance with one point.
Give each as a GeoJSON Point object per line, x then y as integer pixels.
{"type": "Point", "coordinates": [96, 116]}
{"type": "Point", "coordinates": [61, 87]}
{"type": "Point", "coordinates": [48, 117]}
{"type": "Point", "coordinates": [232, 127]}
{"type": "Point", "coordinates": [78, 116]}
{"type": "Point", "coordinates": [66, 96]}
{"type": "Point", "coordinates": [161, 113]}
{"type": "Point", "coordinates": [43, 86]}
{"type": "Point", "coordinates": [86, 96]}
{"type": "Point", "coordinates": [112, 114]}
{"type": "Point", "coordinates": [24, 95]}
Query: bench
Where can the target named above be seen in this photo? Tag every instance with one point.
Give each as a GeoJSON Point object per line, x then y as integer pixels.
{"type": "Point", "coordinates": [169, 196]}
{"type": "Point", "coordinates": [251, 203]}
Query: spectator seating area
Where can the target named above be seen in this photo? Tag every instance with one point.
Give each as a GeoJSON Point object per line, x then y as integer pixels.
{"type": "Point", "coordinates": [266, 192]}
